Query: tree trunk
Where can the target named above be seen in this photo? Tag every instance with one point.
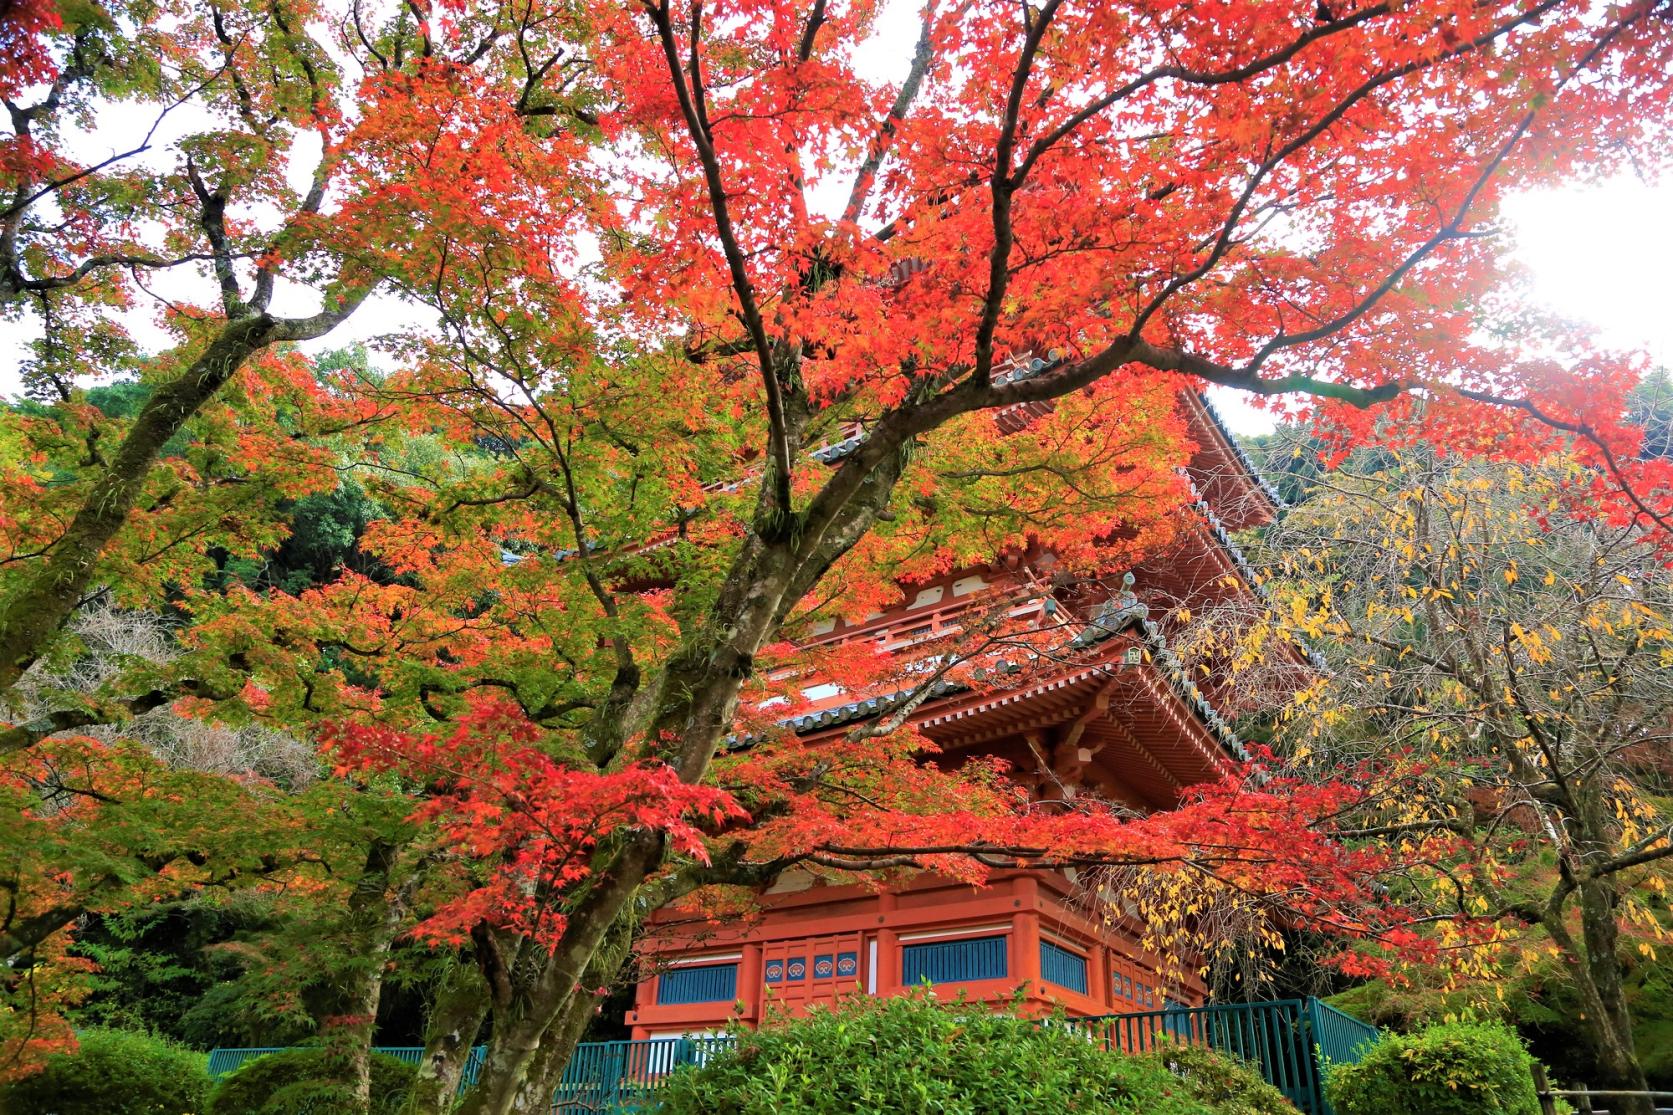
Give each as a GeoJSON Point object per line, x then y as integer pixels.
{"type": "Point", "coordinates": [347, 1039]}
{"type": "Point", "coordinates": [522, 1022]}
{"type": "Point", "coordinates": [505, 1068]}
{"type": "Point", "coordinates": [695, 704]}
{"type": "Point", "coordinates": [1594, 965]}
{"type": "Point", "coordinates": [1610, 1030]}
{"type": "Point", "coordinates": [696, 701]}
{"type": "Point", "coordinates": [376, 910]}
{"type": "Point", "coordinates": [547, 1069]}
{"type": "Point", "coordinates": [33, 613]}
{"type": "Point", "coordinates": [456, 1018]}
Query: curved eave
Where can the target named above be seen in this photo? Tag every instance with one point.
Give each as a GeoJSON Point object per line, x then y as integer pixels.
{"type": "Point", "coordinates": [987, 713]}
{"type": "Point", "coordinates": [1246, 571]}
{"type": "Point", "coordinates": [1222, 468]}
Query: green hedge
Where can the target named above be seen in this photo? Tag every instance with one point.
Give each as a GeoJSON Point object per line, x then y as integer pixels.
{"type": "Point", "coordinates": [1458, 1068]}
{"type": "Point", "coordinates": [1543, 1005]}
{"type": "Point", "coordinates": [910, 1055]}
{"type": "Point", "coordinates": [298, 1082]}
{"type": "Point", "coordinates": [114, 1072]}
{"type": "Point", "coordinates": [1223, 1084]}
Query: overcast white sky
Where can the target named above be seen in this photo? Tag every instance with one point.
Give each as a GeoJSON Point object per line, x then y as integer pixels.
{"type": "Point", "coordinates": [1601, 255]}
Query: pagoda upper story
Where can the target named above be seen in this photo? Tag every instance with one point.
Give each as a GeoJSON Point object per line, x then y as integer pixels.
{"type": "Point", "coordinates": [1160, 727]}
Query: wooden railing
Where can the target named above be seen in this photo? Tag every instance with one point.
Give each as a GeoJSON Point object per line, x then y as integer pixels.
{"type": "Point", "coordinates": [1581, 1098]}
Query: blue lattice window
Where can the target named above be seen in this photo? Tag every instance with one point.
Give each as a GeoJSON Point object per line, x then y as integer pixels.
{"type": "Point", "coordinates": [698, 983]}
{"type": "Point", "coordinates": [1064, 968]}
{"type": "Point", "coordinates": [975, 958]}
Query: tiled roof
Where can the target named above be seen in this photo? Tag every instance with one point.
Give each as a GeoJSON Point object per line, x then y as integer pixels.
{"type": "Point", "coordinates": [1247, 461]}
{"type": "Point", "coordinates": [1314, 658]}
{"type": "Point", "coordinates": [831, 454]}
{"type": "Point", "coordinates": [836, 451]}
{"type": "Point", "coordinates": [1115, 617]}
{"type": "Point", "coordinates": [1188, 691]}
{"type": "Point", "coordinates": [860, 710]}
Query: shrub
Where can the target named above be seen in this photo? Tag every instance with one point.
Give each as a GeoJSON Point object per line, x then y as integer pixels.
{"type": "Point", "coordinates": [910, 1054]}
{"type": "Point", "coordinates": [114, 1072]}
{"type": "Point", "coordinates": [1220, 1083]}
{"type": "Point", "coordinates": [297, 1082]}
{"type": "Point", "coordinates": [1542, 1004]}
{"type": "Point", "coordinates": [1467, 1068]}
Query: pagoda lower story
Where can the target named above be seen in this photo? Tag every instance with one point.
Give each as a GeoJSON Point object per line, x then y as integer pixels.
{"type": "Point", "coordinates": [1020, 937]}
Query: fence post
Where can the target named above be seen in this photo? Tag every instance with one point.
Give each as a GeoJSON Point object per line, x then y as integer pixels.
{"type": "Point", "coordinates": [1308, 1028]}
{"type": "Point", "coordinates": [1547, 1102]}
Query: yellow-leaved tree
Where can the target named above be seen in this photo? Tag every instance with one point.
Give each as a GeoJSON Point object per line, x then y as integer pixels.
{"type": "Point", "coordinates": [1501, 664]}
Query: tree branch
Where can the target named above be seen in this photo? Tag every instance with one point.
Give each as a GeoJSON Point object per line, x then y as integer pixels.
{"type": "Point", "coordinates": [695, 115]}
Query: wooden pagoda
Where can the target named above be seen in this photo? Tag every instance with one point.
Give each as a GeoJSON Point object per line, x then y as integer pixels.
{"type": "Point", "coordinates": [1123, 722]}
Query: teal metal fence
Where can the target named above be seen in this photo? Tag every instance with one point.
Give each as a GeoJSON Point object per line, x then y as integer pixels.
{"type": "Point", "coordinates": [1342, 1039]}
{"type": "Point", "coordinates": [621, 1075]}
{"type": "Point", "coordinates": [223, 1061]}
{"type": "Point", "coordinates": [1288, 1040]}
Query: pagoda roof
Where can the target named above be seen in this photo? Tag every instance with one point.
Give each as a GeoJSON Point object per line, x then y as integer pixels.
{"type": "Point", "coordinates": [1115, 618]}
{"type": "Point", "coordinates": [1248, 462]}
{"type": "Point", "coordinates": [1247, 571]}
{"type": "Point", "coordinates": [1224, 472]}
{"type": "Point", "coordinates": [1220, 439]}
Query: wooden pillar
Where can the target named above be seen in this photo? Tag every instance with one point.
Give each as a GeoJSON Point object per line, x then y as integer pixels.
{"type": "Point", "coordinates": [1025, 936]}
{"type": "Point", "coordinates": [1542, 1088]}
{"type": "Point", "coordinates": [750, 987]}
{"type": "Point", "coordinates": [642, 998]}
{"type": "Point", "coordinates": [888, 948]}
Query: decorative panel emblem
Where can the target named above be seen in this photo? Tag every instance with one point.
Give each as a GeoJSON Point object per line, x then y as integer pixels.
{"type": "Point", "coordinates": [824, 967]}
{"type": "Point", "coordinates": [848, 963]}
{"type": "Point", "coordinates": [796, 969]}
{"type": "Point", "coordinates": [775, 971]}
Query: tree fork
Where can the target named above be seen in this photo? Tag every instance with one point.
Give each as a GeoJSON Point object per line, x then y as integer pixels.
{"type": "Point", "coordinates": [602, 971]}
{"type": "Point", "coordinates": [516, 1047]}
{"type": "Point", "coordinates": [697, 699]}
